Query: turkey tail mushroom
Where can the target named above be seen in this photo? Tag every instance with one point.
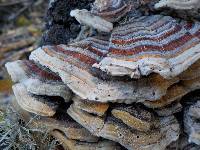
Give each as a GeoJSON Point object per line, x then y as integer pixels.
{"type": "Point", "coordinates": [37, 79]}
{"type": "Point", "coordinates": [179, 4]}
{"type": "Point", "coordinates": [152, 44]}
{"type": "Point", "coordinates": [67, 126]}
{"type": "Point", "coordinates": [126, 87]}
{"type": "Point", "coordinates": [34, 104]}
{"type": "Point", "coordinates": [74, 64]}
{"type": "Point", "coordinates": [111, 10]}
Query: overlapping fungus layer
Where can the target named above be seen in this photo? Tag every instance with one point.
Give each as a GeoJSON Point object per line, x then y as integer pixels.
{"type": "Point", "coordinates": [149, 44]}
{"type": "Point", "coordinates": [118, 90]}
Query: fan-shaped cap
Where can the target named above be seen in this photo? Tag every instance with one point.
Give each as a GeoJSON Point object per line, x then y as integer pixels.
{"type": "Point", "coordinates": [179, 4]}
{"type": "Point", "coordinates": [152, 44]}
{"type": "Point", "coordinates": [74, 64]}
{"type": "Point", "coordinates": [42, 106]}
{"type": "Point", "coordinates": [111, 10]}
{"type": "Point", "coordinates": [37, 79]}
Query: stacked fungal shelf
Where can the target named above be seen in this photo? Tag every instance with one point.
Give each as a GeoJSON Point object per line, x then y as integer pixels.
{"type": "Point", "coordinates": [117, 90]}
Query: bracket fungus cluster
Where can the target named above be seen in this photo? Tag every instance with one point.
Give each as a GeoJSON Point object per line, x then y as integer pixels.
{"type": "Point", "coordinates": [121, 88]}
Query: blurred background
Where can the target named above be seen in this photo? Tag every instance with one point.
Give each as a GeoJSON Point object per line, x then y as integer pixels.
{"type": "Point", "coordinates": [21, 26]}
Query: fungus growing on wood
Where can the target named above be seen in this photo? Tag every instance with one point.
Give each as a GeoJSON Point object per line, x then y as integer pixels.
{"type": "Point", "coordinates": [37, 79]}
{"type": "Point", "coordinates": [32, 103]}
{"type": "Point", "coordinates": [121, 87]}
{"type": "Point", "coordinates": [152, 44]}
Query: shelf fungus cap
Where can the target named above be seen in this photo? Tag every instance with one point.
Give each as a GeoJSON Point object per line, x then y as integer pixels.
{"type": "Point", "coordinates": [135, 117]}
{"type": "Point", "coordinates": [152, 44]}
{"type": "Point", "coordinates": [158, 138]}
{"type": "Point", "coordinates": [111, 10]}
{"type": "Point", "coordinates": [179, 4]}
{"type": "Point", "coordinates": [92, 107]}
{"type": "Point", "coordinates": [87, 18]}
{"type": "Point", "coordinates": [102, 5]}
{"type": "Point", "coordinates": [65, 124]}
{"type": "Point", "coordinates": [74, 64]}
{"type": "Point", "coordinates": [32, 103]}
{"type": "Point", "coordinates": [78, 145]}
{"type": "Point", "coordinates": [170, 109]}
{"type": "Point", "coordinates": [93, 123]}
{"type": "Point", "coordinates": [175, 92]}
{"type": "Point", "coordinates": [37, 79]}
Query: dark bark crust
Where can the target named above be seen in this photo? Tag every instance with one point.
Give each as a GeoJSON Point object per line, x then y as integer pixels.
{"type": "Point", "coordinates": [60, 27]}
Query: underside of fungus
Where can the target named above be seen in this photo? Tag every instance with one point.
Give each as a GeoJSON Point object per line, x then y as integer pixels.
{"type": "Point", "coordinates": [32, 103]}
{"type": "Point", "coordinates": [142, 133]}
{"type": "Point", "coordinates": [124, 87]}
